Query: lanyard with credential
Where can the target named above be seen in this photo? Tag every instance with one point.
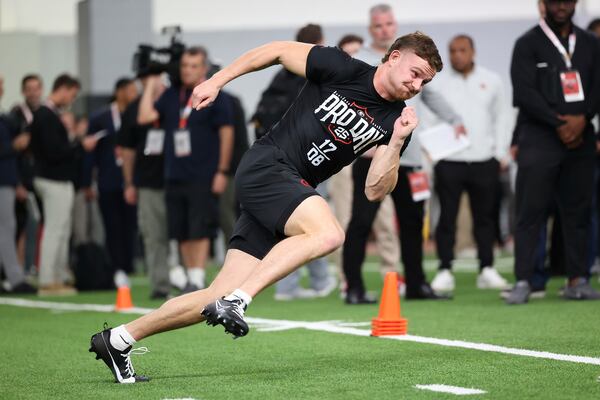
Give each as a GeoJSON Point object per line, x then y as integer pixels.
{"type": "Point", "coordinates": [116, 116]}
{"type": "Point", "coordinates": [561, 49]}
{"type": "Point", "coordinates": [185, 111]}
{"type": "Point", "coordinates": [50, 104]}
{"type": "Point", "coordinates": [27, 114]}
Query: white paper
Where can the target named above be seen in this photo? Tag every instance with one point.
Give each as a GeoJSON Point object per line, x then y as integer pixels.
{"type": "Point", "coordinates": [440, 141]}
{"type": "Point", "coordinates": [100, 134]}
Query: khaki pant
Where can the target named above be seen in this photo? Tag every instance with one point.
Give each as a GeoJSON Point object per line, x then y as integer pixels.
{"type": "Point", "coordinates": [340, 192]}
{"type": "Point", "coordinates": [152, 220]}
{"type": "Point", "coordinates": [57, 200]}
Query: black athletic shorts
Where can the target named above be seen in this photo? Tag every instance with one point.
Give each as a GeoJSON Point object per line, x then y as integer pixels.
{"type": "Point", "coordinates": [269, 189]}
{"type": "Point", "coordinates": [192, 211]}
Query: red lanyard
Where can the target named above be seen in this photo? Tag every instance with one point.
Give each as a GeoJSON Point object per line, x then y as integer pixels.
{"type": "Point", "coordinates": [185, 112]}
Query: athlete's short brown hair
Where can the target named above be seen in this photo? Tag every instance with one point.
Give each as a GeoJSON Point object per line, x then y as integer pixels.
{"type": "Point", "coordinates": [420, 44]}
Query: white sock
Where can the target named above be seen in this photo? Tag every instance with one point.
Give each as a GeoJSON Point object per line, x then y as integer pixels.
{"type": "Point", "coordinates": [241, 295]}
{"type": "Point", "coordinates": [196, 276]}
{"type": "Point", "coordinates": [120, 339]}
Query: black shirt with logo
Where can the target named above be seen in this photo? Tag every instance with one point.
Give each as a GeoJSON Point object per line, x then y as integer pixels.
{"type": "Point", "coordinates": [338, 116]}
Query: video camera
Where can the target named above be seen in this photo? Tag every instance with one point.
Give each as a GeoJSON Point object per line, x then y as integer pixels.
{"type": "Point", "coordinates": [149, 60]}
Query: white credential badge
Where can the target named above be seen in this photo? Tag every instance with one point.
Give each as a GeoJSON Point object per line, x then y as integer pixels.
{"type": "Point", "coordinates": [183, 144]}
{"type": "Point", "coordinates": [154, 142]}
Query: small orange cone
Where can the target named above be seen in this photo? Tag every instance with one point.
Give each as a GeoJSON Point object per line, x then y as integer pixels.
{"type": "Point", "coordinates": [389, 322]}
{"type": "Point", "coordinates": [123, 299]}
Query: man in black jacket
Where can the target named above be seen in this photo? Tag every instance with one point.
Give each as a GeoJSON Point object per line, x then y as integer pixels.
{"type": "Point", "coordinates": [55, 157]}
{"type": "Point", "coordinates": [11, 143]}
{"type": "Point", "coordinates": [556, 79]}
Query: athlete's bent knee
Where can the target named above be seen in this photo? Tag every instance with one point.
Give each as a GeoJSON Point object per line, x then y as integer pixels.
{"type": "Point", "coordinates": [330, 239]}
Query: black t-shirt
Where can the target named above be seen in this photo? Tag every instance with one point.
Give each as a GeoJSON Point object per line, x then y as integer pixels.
{"type": "Point", "coordinates": [200, 164]}
{"type": "Point", "coordinates": [148, 169]}
{"type": "Point", "coordinates": [56, 157]}
{"type": "Point", "coordinates": [338, 116]}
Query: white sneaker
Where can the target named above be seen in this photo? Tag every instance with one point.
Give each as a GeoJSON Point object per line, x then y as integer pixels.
{"type": "Point", "coordinates": [121, 279]}
{"type": "Point", "coordinates": [178, 277]}
{"type": "Point", "coordinates": [489, 278]}
{"type": "Point", "coordinates": [330, 287]}
{"type": "Point", "coordinates": [443, 281]}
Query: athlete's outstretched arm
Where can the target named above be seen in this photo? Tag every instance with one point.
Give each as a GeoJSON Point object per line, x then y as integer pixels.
{"type": "Point", "coordinates": [292, 55]}
{"type": "Point", "coordinates": [383, 172]}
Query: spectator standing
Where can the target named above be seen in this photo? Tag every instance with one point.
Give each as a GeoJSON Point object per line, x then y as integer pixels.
{"type": "Point", "coordinates": [555, 73]}
{"type": "Point", "coordinates": [143, 175]}
{"type": "Point", "coordinates": [410, 211]}
{"type": "Point", "coordinates": [104, 163]}
{"type": "Point", "coordinates": [26, 207]}
{"type": "Point", "coordinates": [55, 156]}
{"type": "Point", "coordinates": [477, 95]}
{"type": "Point", "coordinates": [198, 148]}
{"type": "Point", "coordinates": [11, 142]}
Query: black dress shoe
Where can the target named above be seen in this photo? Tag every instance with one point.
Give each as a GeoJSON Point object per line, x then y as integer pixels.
{"type": "Point", "coordinates": [158, 295]}
{"type": "Point", "coordinates": [425, 292]}
{"type": "Point", "coordinates": [23, 288]}
{"type": "Point", "coordinates": [359, 298]}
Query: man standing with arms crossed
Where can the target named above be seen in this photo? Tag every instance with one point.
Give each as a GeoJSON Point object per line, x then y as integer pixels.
{"type": "Point", "coordinates": [346, 108]}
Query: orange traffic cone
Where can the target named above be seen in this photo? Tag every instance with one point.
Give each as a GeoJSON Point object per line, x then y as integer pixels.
{"type": "Point", "coordinates": [123, 299]}
{"type": "Point", "coordinates": [389, 322]}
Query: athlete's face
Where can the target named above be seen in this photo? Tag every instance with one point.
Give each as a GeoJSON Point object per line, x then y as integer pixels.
{"type": "Point", "coordinates": [383, 29]}
{"type": "Point", "coordinates": [193, 69]}
{"type": "Point", "coordinates": [407, 74]}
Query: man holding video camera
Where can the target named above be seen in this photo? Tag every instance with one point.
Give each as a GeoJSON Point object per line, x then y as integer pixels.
{"type": "Point", "coordinates": [197, 147]}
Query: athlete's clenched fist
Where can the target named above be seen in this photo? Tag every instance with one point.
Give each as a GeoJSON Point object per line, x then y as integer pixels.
{"type": "Point", "coordinates": [405, 123]}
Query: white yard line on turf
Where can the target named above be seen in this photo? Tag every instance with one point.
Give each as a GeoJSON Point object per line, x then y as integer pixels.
{"type": "Point", "coordinates": [457, 390]}
{"type": "Point", "coordinates": [271, 325]}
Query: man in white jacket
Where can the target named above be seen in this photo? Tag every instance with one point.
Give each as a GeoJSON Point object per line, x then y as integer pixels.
{"type": "Point", "coordinates": [476, 93]}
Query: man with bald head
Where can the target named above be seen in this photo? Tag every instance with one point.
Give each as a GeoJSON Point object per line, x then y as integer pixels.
{"type": "Point", "coordinates": [478, 96]}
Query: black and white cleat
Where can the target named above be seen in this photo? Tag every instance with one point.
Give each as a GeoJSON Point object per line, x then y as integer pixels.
{"type": "Point", "coordinates": [119, 362]}
{"type": "Point", "coordinates": [228, 313]}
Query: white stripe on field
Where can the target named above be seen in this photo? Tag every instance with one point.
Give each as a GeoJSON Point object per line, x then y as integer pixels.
{"type": "Point", "coordinates": [321, 326]}
{"type": "Point", "coordinates": [457, 390]}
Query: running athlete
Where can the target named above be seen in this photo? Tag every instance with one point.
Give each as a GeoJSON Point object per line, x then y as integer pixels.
{"type": "Point", "coordinates": [345, 108]}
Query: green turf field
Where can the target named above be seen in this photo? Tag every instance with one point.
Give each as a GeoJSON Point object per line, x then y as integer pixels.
{"type": "Point", "coordinates": [44, 352]}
